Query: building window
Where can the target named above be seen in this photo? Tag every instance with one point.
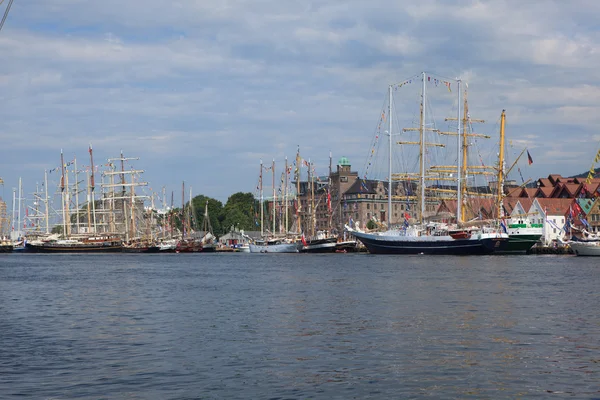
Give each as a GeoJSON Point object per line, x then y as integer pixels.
{"type": "Point", "coordinates": [343, 179]}
{"type": "Point", "coordinates": [368, 206]}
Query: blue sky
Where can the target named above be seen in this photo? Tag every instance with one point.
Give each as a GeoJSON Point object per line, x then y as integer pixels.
{"type": "Point", "coordinates": [200, 91]}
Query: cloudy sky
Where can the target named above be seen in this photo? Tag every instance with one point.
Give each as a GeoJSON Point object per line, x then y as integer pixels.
{"type": "Point", "coordinates": [202, 90]}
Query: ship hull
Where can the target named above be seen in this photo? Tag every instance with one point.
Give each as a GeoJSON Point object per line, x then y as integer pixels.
{"type": "Point", "coordinates": [519, 244]}
{"type": "Point", "coordinates": [320, 246]}
{"type": "Point", "coordinates": [585, 248]}
{"type": "Point", "coordinates": [84, 248]}
{"type": "Point", "coordinates": [275, 248]}
{"type": "Point", "coordinates": [146, 249]}
{"type": "Point", "coordinates": [434, 245]}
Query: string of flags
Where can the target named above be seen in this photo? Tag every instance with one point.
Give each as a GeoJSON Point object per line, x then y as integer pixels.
{"type": "Point", "coordinates": [430, 79]}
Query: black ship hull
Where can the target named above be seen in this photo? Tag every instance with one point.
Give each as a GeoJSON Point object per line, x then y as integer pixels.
{"type": "Point", "coordinates": [431, 245]}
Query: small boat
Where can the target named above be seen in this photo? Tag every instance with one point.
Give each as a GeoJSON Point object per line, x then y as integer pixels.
{"type": "Point", "coordinates": [347, 246]}
{"type": "Point", "coordinates": [167, 246]}
{"type": "Point", "coordinates": [275, 246]}
{"type": "Point", "coordinates": [321, 243]}
{"type": "Point", "coordinates": [189, 246]}
{"type": "Point", "coordinates": [460, 235]}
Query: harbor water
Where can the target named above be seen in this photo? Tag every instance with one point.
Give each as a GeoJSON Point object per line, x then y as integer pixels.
{"type": "Point", "coordinates": [298, 326]}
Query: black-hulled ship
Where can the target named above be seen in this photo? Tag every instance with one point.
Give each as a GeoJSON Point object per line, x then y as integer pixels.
{"type": "Point", "coordinates": [321, 243]}
{"type": "Point", "coordinates": [93, 244]}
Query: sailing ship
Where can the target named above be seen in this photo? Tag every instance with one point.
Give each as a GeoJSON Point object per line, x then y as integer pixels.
{"type": "Point", "coordinates": [73, 240]}
{"type": "Point", "coordinates": [430, 237]}
{"type": "Point", "coordinates": [523, 235]}
{"type": "Point", "coordinates": [87, 244]}
{"type": "Point", "coordinates": [272, 244]}
{"type": "Point", "coordinates": [189, 243]}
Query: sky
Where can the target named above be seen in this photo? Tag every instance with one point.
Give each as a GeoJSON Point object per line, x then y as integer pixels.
{"type": "Point", "coordinates": [202, 90]}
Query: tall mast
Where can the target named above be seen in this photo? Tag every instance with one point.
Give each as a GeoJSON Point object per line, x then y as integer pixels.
{"type": "Point", "coordinates": [389, 220]}
{"type": "Point", "coordinates": [192, 213]}
{"type": "Point", "coordinates": [329, 211]}
{"type": "Point", "coordinates": [13, 211]}
{"type": "Point", "coordinates": [183, 209]}
{"type": "Point", "coordinates": [171, 220]}
{"type": "Point", "coordinates": [89, 205]}
{"type": "Point", "coordinates": [20, 196]}
{"type": "Point", "coordinates": [274, 195]}
{"type": "Point", "coordinates": [67, 200]}
{"type": "Point", "coordinates": [465, 146]}
{"type": "Point", "coordinates": [76, 173]}
{"type": "Point", "coordinates": [459, 197]}
{"type": "Point", "coordinates": [298, 203]}
{"type": "Point", "coordinates": [312, 199]}
{"type": "Point", "coordinates": [500, 190]}
{"type": "Point", "coordinates": [285, 194]}
{"type": "Point", "coordinates": [133, 227]}
{"type": "Point", "coordinates": [92, 187]}
{"type": "Point", "coordinates": [422, 147]}
{"type": "Point", "coordinates": [260, 182]}
{"type": "Point", "coordinates": [46, 201]}
{"type": "Point", "coordinates": [62, 192]}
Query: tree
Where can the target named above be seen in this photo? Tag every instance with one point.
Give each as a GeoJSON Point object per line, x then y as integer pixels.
{"type": "Point", "coordinates": [371, 225]}
{"type": "Point", "coordinates": [215, 208]}
{"type": "Point", "coordinates": [239, 211]}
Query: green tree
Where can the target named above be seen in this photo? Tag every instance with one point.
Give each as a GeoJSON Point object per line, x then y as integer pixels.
{"type": "Point", "coordinates": [239, 212]}
{"type": "Point", "coordinates": [371, 225]}
{"type": "Point", "coordinates": [215, 208]}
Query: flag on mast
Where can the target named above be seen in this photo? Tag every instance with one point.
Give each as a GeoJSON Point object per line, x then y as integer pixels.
{"type": "Point", "coordinates": [529, 158]}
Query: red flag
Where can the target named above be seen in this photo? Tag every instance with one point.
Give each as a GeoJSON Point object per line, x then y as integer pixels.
{"type": "Point", "coordinates": [304, 240]}
{"type": "Point", "coordinates": [529, 158]}
{"type": "Point", "coordinates": [329, 201]}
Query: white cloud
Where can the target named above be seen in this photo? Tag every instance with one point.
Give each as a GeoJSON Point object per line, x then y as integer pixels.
{"type": "Point", "coordinates": [190, 84]}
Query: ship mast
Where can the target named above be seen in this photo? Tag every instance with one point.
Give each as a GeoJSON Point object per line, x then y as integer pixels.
{"type": "Point", "coordinates": [422, 148]}
{"type": "Point", "coordinates": [500, 189]}
{"type": "Point", "coordinates": [312, 199]}
{"type": "Point", "coordinates": [260, 181]}
{"type": "Point", "coordinates": [459, 182]}
{"type": "Point", "coordinates": [298, 203]}
{"type": "Point", "coordinates": [92, 188]}
{"type": "Point", "coordinates": [65, 206]}
{"type": "Point", "coordinates": [46, 201]}
{"type": "Point", "coordinates": [274, 195]}
{"type": "Point", "coordinates": [285, 194]}
{"type": "Point", "coordinates": [389, 224]}
{"type": "Point", "coordinates": [329, 211]}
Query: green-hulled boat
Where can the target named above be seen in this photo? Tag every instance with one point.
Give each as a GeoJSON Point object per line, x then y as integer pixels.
{"type": "Point", "coordinates": [522, 237]}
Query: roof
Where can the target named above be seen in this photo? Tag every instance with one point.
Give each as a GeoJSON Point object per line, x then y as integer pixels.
{"type": "Point", "coordinates": [544, 191]}
{"type": "Point", "coordinates": [528, 192]}
{"type": "Point", "coordinates": [525, 203]}
{"type": "Point", "coordinates": [344, 162]}
{"type": "Point", "coordinates": [585, 204]}
{"type": "Point", "coordinates": [554, 206]}
{"type": "Point", "coordinates": [555, 178]}
{"type": "Point", "coordinates": [545, 182]}
{"type": "Point", "coordinates": [362, 186]}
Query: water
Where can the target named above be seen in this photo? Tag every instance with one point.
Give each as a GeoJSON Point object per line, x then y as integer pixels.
{"type": "Point", "coordinates": [281, 326]}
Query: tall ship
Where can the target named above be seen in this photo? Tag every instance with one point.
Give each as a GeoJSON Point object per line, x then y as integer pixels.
{"type": "Point", "coordinates": [273, 242]}
{"type": "Point", "coordinates": [75, 237]}
{"type": "Point", "coordinates": [431, 237]}
{"type": "Point", "coordinates": [522, 234]}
